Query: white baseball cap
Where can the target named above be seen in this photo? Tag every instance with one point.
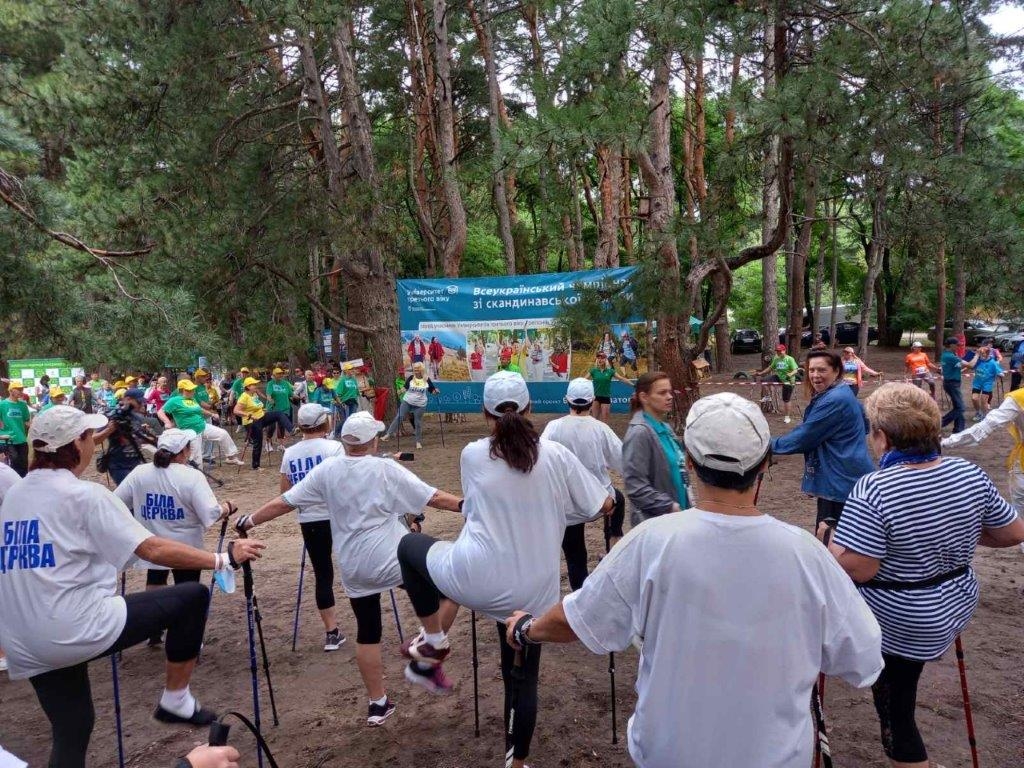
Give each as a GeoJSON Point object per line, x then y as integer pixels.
{"type": "Point", "coordinates": [505, 387]}
{"type": "Point", "coordinates": [312, 415]}
{"type": "Point", "coordinates": [916, 345]}
{"type": "Point", "coordinates": [360, 428]}
{"type": "Point", "coordinates": [580, 392]}
{"type": "Point", "coordinates": [726, 432]}
{"type": "Point", "coordinates": [60, 425]}
{"type": "Point", "coordinates": [175, 440]}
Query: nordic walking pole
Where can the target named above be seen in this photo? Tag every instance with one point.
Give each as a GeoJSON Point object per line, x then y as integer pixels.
{"type": "Point", "coordinates": [818, 704]}
{"type": "Point", "coordinates": [611, 656]}
{"type": "Point", "coordinates": [118, 654]}
{"type": "Point", "coordinates": [398, 624]}
{"type": "Point", "coordinates": [298, 601]}
{"type": "Point", "coordinates": [476, 682]}
{"type": "Point", "coordinates": [440, 423]}
{"type": "Point", "coordinates": [258, 620]}
{"type": "Point", "coordinates": [967, 702]}
{"type": "Point", "coordinates": [117, 711]}
{"type": "Point", "coordinates": [247, 585]}
{"type": "Point", "coordinates": [517, 678]}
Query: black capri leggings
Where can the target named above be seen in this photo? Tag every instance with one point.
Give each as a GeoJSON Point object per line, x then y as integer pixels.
{"type": "Point", "coordinates": [526, 703]}
{"type": "Point", "coordinates": [895, 694]}
{"type": "Point", "coordinates": [65, 694]}
{"type": "Point", "coordinates": [156, 577]}
{"type": "Point", "coordinates": [574, 544]}
{"type": "Point", "coordinates": [412, 558]}
{"type": "Point", "coordinates": [368, 622]}
{"type": "Point", "coordinates": [317, 537]}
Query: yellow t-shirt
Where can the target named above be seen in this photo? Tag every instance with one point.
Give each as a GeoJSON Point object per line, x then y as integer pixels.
{"type": "Point", "coordinates": [252, 408]}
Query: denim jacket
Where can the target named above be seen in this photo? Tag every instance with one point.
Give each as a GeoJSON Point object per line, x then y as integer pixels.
{"type": "Point", "coordinates": [833, 441]}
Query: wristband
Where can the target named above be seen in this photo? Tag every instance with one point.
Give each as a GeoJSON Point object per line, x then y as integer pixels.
{"type": "Point", "coordinates": [520, 632]}
{"type": "Point", "coordinates": [244, 523]}
{"type": "Point", "coordinates": [231, 556]}
{"type": "Point", "coordinates": [183, 763]}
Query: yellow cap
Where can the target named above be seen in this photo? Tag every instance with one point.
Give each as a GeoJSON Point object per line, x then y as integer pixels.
{"type": "Point", "coordinates": [279, 370]}
{"type": "Point", "coordinates": [15, 384]}
{"type": "Point", "coordinates": [249, 381]}
{"type": "Point", "coordinates": [243, 369]}
{"type": "Point", "coordinates": [119, 384]}
{"type": "Point", "coordinates": [57, 392]}
{"type": "Point", "coordinates": [328, 382]}
{"type": "Point", "coordinates": [186, 384]}
{"type": "Point", "coordinates": [130, 380]}
{"type": "Point", "coordinates": [201, 372]}
{"type": "Point", "coordinates": [120, 393]}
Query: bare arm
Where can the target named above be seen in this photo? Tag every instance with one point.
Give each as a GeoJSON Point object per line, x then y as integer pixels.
{"type": "Point", "coordinates": [174, 554]}
{"type": "Point", "coordinates": [860, 568]}
{"type": "Point", "coordinates": [270, 510]}
{"type": "Point", "coordinates": [285, 484]}
{"type": "Point", "coordinates": [164, 418]}
{"type": "Point", "coordinates": [1006, 536]}
{"type": "Point", "coordinates": [444, 500]}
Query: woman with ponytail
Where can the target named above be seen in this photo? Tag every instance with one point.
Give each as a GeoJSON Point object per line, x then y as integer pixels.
{"type": "Point", "coordinates": [652, 459]}
{"type": "Point", "coordinates": [508, 553]}
{"type": "Point", "coordinates": [172, 499]}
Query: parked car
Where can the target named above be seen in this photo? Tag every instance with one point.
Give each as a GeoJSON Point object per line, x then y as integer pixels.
{"type": "Point", "coordinates": [745, 340]}
{"type": "Point", "coordinates": [848, 333]}
{"type": "Point", "coordinates": [1009, 340]}
{"type": "Point", "coordinates": [806, 337]}
{"type": "Point", "coordinates": [976, 332]}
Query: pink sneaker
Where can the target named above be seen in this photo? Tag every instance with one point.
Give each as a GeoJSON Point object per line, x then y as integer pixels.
{"type": "Point", "coordinates": [419, 649]}
{"type": "Point", "coordinates": [434, 679]}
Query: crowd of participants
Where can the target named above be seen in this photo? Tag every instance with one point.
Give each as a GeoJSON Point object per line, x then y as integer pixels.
{"type": "Point", "coordinates": [736, 613]}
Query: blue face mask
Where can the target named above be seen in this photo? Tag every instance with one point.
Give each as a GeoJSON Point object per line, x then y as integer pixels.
{"type": "Point", "coordinates": [225, 580]}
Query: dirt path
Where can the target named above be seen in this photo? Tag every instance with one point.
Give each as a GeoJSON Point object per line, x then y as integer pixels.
{"type": "Point", "coordinates": [322, 703]}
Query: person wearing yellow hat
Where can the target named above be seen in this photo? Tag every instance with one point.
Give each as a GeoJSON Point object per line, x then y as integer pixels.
{"type": "Point", "coordinates": [15, 418]}
{"type": "Point", "coordinates": [205, 395]}
{"type": "Point", "coordinates": [252, 410]}
{"type": "Point", "coordinates": [279, 407]}
{"type": "Point", "coordinates": [182, 411]}
{"type": "Point", "coordinates": [57, 397]}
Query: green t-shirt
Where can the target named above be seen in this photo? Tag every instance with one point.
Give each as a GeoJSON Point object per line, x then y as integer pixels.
{"type": "Point", "coordinates": [602, 381]}
{"type": "Point", "coordinates": [15, 416]}
{"type": "Point", "coordinates": [280, 394]}
{"type": "Point", "coordinates": [785, 367]}
{"type": "Point", "coordinates": [201, 394]}
{"type": "Point", "coordinates": [236, 387]}
{"type": "Point", "coordinates": [97, 385]}
{"type": "Point", "coordinates": [187, 414]}
{"type": "Point", "coordinates": [323, 396]}
{"type": "Point", "coordinates": [347, 389]}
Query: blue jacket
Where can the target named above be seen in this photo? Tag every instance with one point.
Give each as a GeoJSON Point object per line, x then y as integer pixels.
{"type": "Point", "coordinates": [833, 441]}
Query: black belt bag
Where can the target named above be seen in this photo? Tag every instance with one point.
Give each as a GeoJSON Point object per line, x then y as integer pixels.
{"type": "Point", "coordinates": [906, 586]}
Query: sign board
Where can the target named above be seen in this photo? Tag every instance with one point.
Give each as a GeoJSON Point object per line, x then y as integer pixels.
{"type": "Point", "coordinates": [463, 329]}
{"type": "Point", "coordinates": [30, 371]}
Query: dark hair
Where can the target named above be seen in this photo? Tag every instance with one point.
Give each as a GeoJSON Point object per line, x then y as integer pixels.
{"type": "Point", "coordinates": [643, 386]}
{"type": "Point", "coordinates": [730, 481]}
{"type": "Point", "coordinates": [65, 457]}
{"type": "Point", "coordinates": [514, 440]}
{"type": "Point", "coordinates": [163, 458]}
{"type": "Point", "coordinates": [44, 379]}
{"type": "Point", "coordinates": [835, 362]}
{"type": "Point", "coordinates": [317, 429]}
{"type": "Point", "coordinates": [581, 408]}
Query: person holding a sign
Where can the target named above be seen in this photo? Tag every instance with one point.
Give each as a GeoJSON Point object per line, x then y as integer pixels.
{"type": "Point", "coordinates": [14, 421]}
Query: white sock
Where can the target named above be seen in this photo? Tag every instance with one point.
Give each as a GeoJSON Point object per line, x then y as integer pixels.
{"type": "Point", "coordinates": [381, 701]}
{"type": "Point", "coordinates": [182, 703]}
{"type": "Point", "coordinates": [435, 639]}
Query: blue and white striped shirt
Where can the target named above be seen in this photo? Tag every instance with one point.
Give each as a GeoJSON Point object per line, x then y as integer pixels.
{"type": "Point", "coordinates": [922, 523]}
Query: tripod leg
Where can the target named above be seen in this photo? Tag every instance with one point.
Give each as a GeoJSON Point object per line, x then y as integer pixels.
{"type": "Point", "coordinates": [298, 601]}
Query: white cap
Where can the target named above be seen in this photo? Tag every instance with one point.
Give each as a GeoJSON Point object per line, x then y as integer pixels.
{"type": "Point", "coordinates": [505, 387]}
{"type": "Point", "coordinates": [175, 440]}
{"type": "Point", "coordinates": [360, 428]}
{"type": "Point", "coordinates": [61, 425]}
{"type": "Point", "coordinates": [726, 432]}
{"type": "Point", "coordinates": [580, 392]}
{"type": "Point", "coordinates": [916, 344]}
{"type": "Point", "coordinates": [312, 415]}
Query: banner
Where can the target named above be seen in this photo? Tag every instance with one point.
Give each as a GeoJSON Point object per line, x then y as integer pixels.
{"type": "Point", "coordinates": [465, 329]}
{"type": "Point", "coordinates": [59, 370]}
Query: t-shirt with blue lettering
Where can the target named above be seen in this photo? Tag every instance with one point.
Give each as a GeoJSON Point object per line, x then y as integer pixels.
{"type": "Point", "coordinates": [299, 460]}
{"type": "Point", "coordinates": [62, 542]}
{"type": "Point", "coordinates": [174, 502]}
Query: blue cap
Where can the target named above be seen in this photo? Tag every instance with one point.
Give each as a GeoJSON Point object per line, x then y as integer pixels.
{"type": "Point", "coordinates": [135, 393]}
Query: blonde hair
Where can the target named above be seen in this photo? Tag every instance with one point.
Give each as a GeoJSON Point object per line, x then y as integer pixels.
{"type": "Point", "coordinates": [908, 417]}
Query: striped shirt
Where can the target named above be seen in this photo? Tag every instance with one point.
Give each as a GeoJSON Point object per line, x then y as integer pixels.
{"type": "Point", "coordinates": [922, 523]}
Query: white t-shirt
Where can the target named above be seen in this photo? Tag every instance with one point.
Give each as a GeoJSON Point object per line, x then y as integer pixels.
{"type": "Point", "coordinates": [64, 540]}
{"type": "Point", "coordinates": [175, 503]}
{"type": "Point", "coordinates": [737, 615]}
{"type": "Point", "coordinates": [298, 461]}
{"type": "Point", "coordinates": [366, 497]}
{"type": "Point", "coordinates": [8, 477]}
{"type": "Point", "coordinates": [508, 553]}
{"type": "Point", "coordinates": [592, 442]}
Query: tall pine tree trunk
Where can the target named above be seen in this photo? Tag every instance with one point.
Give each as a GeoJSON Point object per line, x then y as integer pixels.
{"type": "Point", "coordinates": [454, 240]}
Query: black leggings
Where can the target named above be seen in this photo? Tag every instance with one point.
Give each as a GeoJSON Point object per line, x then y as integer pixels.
{"type": "Point", "coordinates": [317, 537]}
{"type": "Point", "coordinates": [412, 557]}
{"type": "Point", "coordinates": [158, 578]}
{"type": "Point", "coordinates": [278, 420]}
{"type": "Point", "coordinates": [895, 694]}
{"type": "Point", "coordinates": [526, 705]}
{"type": "Point", "coordinates": [829, 508]}
{"type": "Point", "coordinates": [368, 622]}
{"type": "Point", "coordinates": [255, 431]}
{"type": "Point", "coordinates": [65, 694]}
{"type": "Point", "coordinates": [574, 546]}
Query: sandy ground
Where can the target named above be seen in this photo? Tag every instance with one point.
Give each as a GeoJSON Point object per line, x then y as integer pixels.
{"type": "Point", "coordinates": [322, 703]}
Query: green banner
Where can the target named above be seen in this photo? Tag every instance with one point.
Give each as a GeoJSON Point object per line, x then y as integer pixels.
{"type": "Point", "coordinates": [29, 372]}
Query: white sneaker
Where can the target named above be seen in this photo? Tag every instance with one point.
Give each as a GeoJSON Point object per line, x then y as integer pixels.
{"type": "Point", "coordinates": [786, 420]}
{"type": "Point", "coordinates": [419, 446]}
{"type": "Point", "coordinates": [234, 460]}
{"type": "Point", "coordinates": [3, 663]}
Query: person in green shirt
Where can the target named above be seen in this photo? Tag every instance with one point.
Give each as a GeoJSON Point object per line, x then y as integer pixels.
{"type": "Point", "coordinates": [237, 386]}
{"type": "Point", "coordinates": [279, 393]}
{"type": "Point", "coordinates": [183, 411]}
{"type": "Point", "coordinates": [57, 397]}
{"type": "Point", "coordinates": [783, 369]}
{"type": "Point", "coordinates": [602, 375]}
{"type": "Point", "coordinates": [14, 420]}
{"type": "Point", "coordinates": [96, 383]}
{"type": "Point", "coordinates": [346, 394]}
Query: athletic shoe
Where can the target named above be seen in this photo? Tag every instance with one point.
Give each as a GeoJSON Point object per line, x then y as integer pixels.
{"type": "Point", "coordinates": [417, 638]}
{"type": "Point", "coordinates": [3, 663]}
{"type": "Point", "coordinates": [433, 679]}
{"type": "Point", "coordinates": [385, 438]}
{"type": "Point", "coordinates": [420, 650]}
{"type": "Point", "coordinates": [419, 446]}
{"type": "Point", "coordinates": [268, 449]}
{"type": "Point", "coordinates": [786, 420]}
{"type": "Point", "coordinates": [334, 640]}
{"type": "Point", "coordinates": [199, 717]}
{"type": "Point", "coordinates": [379, 713]}
{"type": "Point", "coordinates": [234, 460]}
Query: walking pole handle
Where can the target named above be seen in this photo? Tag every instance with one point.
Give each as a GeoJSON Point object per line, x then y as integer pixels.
{"type": "Point", "coordinates": [218, 734]}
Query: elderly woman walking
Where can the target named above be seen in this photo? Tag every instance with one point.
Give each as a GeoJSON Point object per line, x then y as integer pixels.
{"type": "Point", "coordinates": [907, 537]}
